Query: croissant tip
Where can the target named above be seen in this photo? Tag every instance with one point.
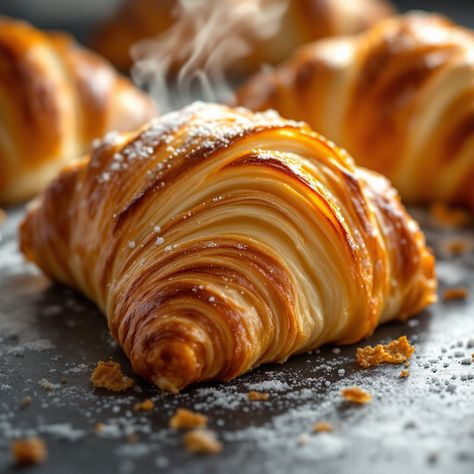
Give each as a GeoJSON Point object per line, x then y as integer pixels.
{"type": "Point", "coordinates": [165, 385]}
{"type": "Point", "coordinates": [175, 365]}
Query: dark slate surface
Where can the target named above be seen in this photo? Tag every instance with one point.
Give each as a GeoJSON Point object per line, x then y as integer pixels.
{"type": "Point", "coordinates": [424, 423]}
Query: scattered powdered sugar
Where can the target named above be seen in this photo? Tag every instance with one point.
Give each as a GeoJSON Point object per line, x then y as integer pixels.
{"type": "Point", "coordinates": [77, 369]}
{"type": "Point", "coordinates": [133, 450]}
{"type": "Point", "coordinates": [224, 397]}
{"type": "Point", "coordinates": [64, 431]}
{"type": "Point", "coordinates": [269, 386]}
{"type": "Point", "coordinates": [29, 346]}
{"type": "Point", "coordinates": [110, 138]}
{"type": "Point", "coordinates": [208, 127]}
{"type": "Point", "coordinates": [110, 430]}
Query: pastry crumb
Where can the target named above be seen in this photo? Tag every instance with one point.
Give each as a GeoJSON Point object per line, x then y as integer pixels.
{"type": "Point", "coordinates": [146, 405]}
{"type": "Point", "coordinates": [184, 418]}
{"type": "Point", "coordinates": [257, 396]}
{"type": "Point", "coordinates": [356, 395]}
{"type": "Point", "coordinates": [322, 427]}
{"type": "Point", "coordinates": [451, 294]}
{"type": "Point", "coordinates": [26, 402]}
{"type": "Point", "coordinates": [29, 451]}
{"type": "Point", "coordinates": [404, 373]}
{"type": "Point", "coordinates": [202, 441]}
{"type": "Point", "coordinates": [99, 427]}
{"type": "Point", "coordinates": [395, 352]}
{"type": "Point", "coordinates": [447, 216]}
{"type": "Point", "coordinates": [109, 375]}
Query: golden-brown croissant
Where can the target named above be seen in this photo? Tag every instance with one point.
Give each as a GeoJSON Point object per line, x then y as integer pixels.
{"type": "Point", "coordinates": [303, 21]}
{"type": "Point", "coordinates": [216, 240]}
{"type": "Point", "coordinates": [55, 98]}
{"type": "Point", "coordinates": [399, 98]}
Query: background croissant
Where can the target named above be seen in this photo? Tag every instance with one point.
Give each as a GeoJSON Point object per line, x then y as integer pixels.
{"type": "Point", "coordinates": [55, 97]}
{"type": "Point", "coordinates": [216, 240]}
{"type": "Point", "coordinates": [399, 97]}
{"type": "Point", "coordinates": [304, 20]}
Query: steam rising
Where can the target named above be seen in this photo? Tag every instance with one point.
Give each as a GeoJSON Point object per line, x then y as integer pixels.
{"type": "Point", "coordinates": [192, 59]}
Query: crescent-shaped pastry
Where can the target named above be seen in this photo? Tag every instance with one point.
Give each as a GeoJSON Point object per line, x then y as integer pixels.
{"type": "Point", "coordinates": [55, 98]}
{"type": "Point", "coordinates": [399, 98]}
{"type": "Point", "coordinates": [216, 240]}
{"type": "Point", "coordinates": [303, 21]}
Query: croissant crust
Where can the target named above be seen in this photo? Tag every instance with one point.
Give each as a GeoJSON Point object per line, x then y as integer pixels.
{"type": "Point", "coordinates": [55, 98]}
{"type": "Point", "coordinates": [216, 239]}
{"type": "Point", "coordinates": [399, 98]}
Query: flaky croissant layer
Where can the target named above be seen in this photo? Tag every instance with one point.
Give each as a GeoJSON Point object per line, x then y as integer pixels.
{"type": "Point", "coordinates": [55, 98]}
{"type": "Point", "coordinates": [216, 239]}
{"type": "Point", "coordinates": [399, 98]}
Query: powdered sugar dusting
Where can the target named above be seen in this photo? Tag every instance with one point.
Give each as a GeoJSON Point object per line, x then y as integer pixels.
{"type": "Point", "coordinates": [208, 127]}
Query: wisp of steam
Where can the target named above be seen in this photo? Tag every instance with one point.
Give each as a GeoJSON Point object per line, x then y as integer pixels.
{"type": "Point", "coordinates": [192, 59]}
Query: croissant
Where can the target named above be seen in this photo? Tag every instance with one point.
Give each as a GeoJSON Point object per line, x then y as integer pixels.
{"type": "Point", "coordinates": [303, 21]}
{"type": "Point", "coordinates": [55, 98]}
{"type": "Point", "coordinates": [399, 98]}
{"type": "Point", "coordinates": [216, 240]}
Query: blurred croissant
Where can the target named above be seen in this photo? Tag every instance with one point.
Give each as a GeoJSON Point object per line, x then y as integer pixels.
{"type": "Point", "coordinates": [55, 98]}
{"type": "Point", "coordinates": [303, 21]}
{"type": "Point", "coordinates": [399, 98]}
{"type": "Point", "coordinates": [216, 240]}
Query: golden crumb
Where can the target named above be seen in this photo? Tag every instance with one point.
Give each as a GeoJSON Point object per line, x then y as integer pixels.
{"type": "Point", "coordinates": [404, 373]}
{"type": "Point", "coordinates": [3, 215]}
{"type": "Point", "coordinates": [256, 396]}
{"type": "Point", "coordinates": [356, 395]}
{"type": "Point", "coordinates": [99, 427]}
{"type": "Point", "coordinates": [133, 438]}
{"type": "Point", "coordinates": [449, 217]}
{"type": "Point", "coordinates": [395, 352]}
{"type": "Point", "coordinates": [146, 405]}
{"type": "Point", "coordinates": [406, 364]}
{"type": "Point", "coordinates": [322, 427]}
{"type": "Point", "coordinates": [202, 441]}
{"type": "Point", "coordinates": [451, 294]}
{"type": "Point", "coordinates": [184, 418]}
{"type": "Point", "coordinates": [29, 451]}
{"type": "Point", "coordinates": [109, 375]}
{"type": "Point", "coordinates": [26, 402]}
